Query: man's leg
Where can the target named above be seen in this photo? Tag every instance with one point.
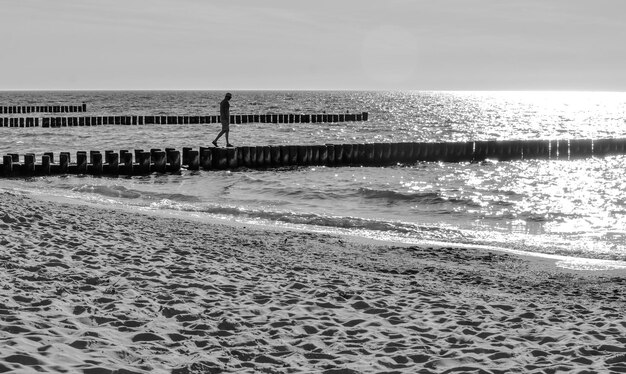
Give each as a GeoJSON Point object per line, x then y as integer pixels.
{"type": "Point", "coordinates": [219, 136]}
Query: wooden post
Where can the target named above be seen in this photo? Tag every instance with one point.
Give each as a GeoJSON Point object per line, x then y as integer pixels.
{"type": "Point", "coordinates": [173, 159]}
{"type": "Point", "coordinates": [293, 155]}
{"type": "Point", "coordinates": [530, 149]}
{"type": "Point", "coordinates": [338, 154]}
{"type": "Point", "coordinates": [580, 148]}
{"type": "Point", "coordinates": [64, 162]}
{"type": "Point", "coordinates": [126, 158]}
{"type": "Point", "coordinates": [50, 155]}
{"type": "Point", "coordinates": [153, 151]}
{"type": "Point", "coordinates": [143, 163]}
{"type": "Point", "coordinates": [160, 161]}
{"type": "Point", "coordinates": [330, 154]}
{"type": "Point", "coordinates": [81, 162]}
{"type": "Point", "coordinates": [91, 153]}
{"type": "Point", "coordinates": [194, 160]}
{"type": "Point", "coordinates": [220, 158]}
{"type": "Point", "coordinates": [322, 152]}
{"type": "Point", "coordinates": [480, 150]}
{"type": "Point", "coordinates": [245, 156]}
{"type": "Point", "coordinates": [601, 147]}
{"type": "Point", "coordinates": [253, 156]}
{"type": "Point", "coordinates": [276, 159]}
{"type": "Point", "coordinates": [206, 159]}
{"type": "Point", "coordinates": [112, 160]}
{"type": "Point", "coordinates": [7, 165]}
{"type": "Point", "coordinates": [138, 153]}
{"type": "Point", "coordinates": [378, 153]}
{"type": "Point", "coordinates": [267, 156]}
{"type": "Point", "coordinates": [454, 152]}
{"type": "Point", "coordinates": [369, 151]}
{"type": "Point", "coordinates": [107, 154]}
{"type": "Point", "coordinates": [231, 157]}
{"type": "Point", "coordinates": [313, 154]}
{"type": "Point", "coordinates": [186, 151]}
{"type": "Point", "coordinates": [347, 154]}
{"type": "Point", "coordinates": [96, 167]}
{"type": "Point", "coordinates": [386, 156]}
{"type": "Point", "coordinates": [302, 155]}
{"type": "Point", "coordinates": [285, 158]}
{"type": "Point", "coordinates": [260, 156]}
{"type": "Point", "coordinates": [552, 150]}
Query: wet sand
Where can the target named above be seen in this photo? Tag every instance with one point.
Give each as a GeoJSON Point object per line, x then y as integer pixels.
{"type": "Point", "coordinates": [94, 290]}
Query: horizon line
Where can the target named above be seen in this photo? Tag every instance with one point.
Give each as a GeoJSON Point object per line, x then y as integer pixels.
{"type": "Point", "coordinates": [310, 89]}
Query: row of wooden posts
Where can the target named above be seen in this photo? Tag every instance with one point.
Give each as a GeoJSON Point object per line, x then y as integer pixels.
{"type": "Point", "coordinates": [179, 120]}
{"type": "Point", "coordinates": [15, 109]}
{"type": "Point", "coordinates": [370, 154]}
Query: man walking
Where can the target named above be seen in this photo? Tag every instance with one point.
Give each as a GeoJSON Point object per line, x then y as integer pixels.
{"type": "Point", "coordinates": [225, 119]}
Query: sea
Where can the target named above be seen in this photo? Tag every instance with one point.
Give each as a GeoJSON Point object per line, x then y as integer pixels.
{"type": "Point", "coordinates": [570, 208]}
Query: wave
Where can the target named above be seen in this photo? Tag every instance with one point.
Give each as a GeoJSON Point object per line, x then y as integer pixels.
{"type": "Point", "coordinates": [427, 198]}
{"type": "Point", "coordinates": [298, 218]}
{"type": "Point", "coordinates": [122, 192]}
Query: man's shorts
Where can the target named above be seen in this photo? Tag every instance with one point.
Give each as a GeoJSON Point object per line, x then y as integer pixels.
{"type": "Point", "coordinates": [225, 126]}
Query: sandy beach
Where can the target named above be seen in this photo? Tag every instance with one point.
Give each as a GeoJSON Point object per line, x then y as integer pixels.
{"type": "Point", "coordinates": [94, 290]}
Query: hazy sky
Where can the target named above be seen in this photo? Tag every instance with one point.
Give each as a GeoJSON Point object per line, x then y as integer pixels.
{"type": "Point", "coordinates": [315, 44]}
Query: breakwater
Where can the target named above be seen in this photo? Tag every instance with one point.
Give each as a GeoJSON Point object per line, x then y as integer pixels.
{"type": "Point", "coordinates": [17, 109]}
{"type": "Point", "coordinates": [68, 121]}
{"type": "Point", "coordinates": [142, 162]}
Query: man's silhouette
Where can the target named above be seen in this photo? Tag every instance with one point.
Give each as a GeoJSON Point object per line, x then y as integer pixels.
{"type": "Point", "coordinates": [225, 119]}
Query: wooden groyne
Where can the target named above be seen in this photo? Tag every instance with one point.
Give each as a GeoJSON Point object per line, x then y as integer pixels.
{"type": "Point", "coordinates": [142, 162]}
{"type": "Point", "coordinates": [68, 121]}
{"type": "Point", "coordinates": [16, 109]}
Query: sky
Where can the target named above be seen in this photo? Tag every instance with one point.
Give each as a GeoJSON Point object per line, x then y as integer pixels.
{"type": "Point", "coordinates": [464, 45]}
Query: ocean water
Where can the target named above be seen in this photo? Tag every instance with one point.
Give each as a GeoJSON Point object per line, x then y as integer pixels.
{"type": "Point", "coordinates": [574, 208]}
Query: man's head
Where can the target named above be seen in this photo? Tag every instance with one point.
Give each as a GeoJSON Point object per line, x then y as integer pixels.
{"type": "Point", "coordinates": [228, 96]}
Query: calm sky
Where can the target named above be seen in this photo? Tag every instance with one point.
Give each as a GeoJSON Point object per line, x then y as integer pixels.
{"type": "Point", "coordinates": [315, 44]}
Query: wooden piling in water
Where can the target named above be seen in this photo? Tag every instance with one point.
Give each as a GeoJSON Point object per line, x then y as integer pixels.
{"type": "Point", "coordinates": [96, 167]}
{"type": "Point", "coordinates": [160, 161]}
{"type": "Point", "coordinates": [45, 165]}
{"type": "Point", "coordinates": [28, 168]}
{"type": "Point", "coordinates": [580, 148]}
{"type": "Point", "coordinates": [174, 161]}
{"type": "Point", "coordinates": [64, 162]}
{"type": "Point", "coordinates": [330, 155]}
{"type": "Point", "coordinates": [7, 165]}
{"type": "Point", "coordinates": [81, 162]}
{"type": "Point", "coordinates": [276, 159]}
{"type": "Point", "coordinates": [126, 158]}
{"type": "Point", "coordinates": [206, 158]}
{"type": "Point", "coordinates": [284, 155]}
{"type": "Point", "coordinates": [231, 158]}
{"type": "Point", "coordinates": [302, 155]}
{"type": "Point", "coordinates": [112, 163]}
{"type": "Point", "coordinates": [376, 154]}
{"type": "Point", "coordinates": [186, 151]}
{"type": "Point", "coordinates": [144, 161]}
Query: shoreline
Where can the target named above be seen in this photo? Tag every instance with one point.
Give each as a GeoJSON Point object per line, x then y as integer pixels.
{"type": "Point", "coordinates": [86, 288]}
{"type": "Point", "coordinates": [576, 265]}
